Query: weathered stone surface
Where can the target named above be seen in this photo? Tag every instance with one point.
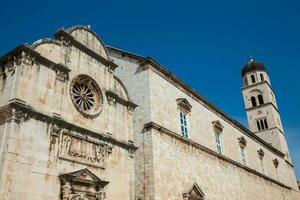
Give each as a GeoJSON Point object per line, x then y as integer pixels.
{"type": "Point", "coordinates": [73, 113]}
{"type": "Point", "coordinates": [42, 133]}
{"type": "Point", "coordinates": [166, 166]}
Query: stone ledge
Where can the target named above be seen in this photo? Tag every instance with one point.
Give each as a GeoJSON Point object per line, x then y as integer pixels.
{"type": "Point", "coordinates": [113, 97]}
{"type": "Point", "coordinates": [153, 125]}
{"type": "Point", "coordinates": [25, 112]}
{"type": "Point", "coordinates": [150, 63]}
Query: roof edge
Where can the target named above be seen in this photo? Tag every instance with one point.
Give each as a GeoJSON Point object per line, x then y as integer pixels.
{"type": "Point", "coordinates": [198, 96]}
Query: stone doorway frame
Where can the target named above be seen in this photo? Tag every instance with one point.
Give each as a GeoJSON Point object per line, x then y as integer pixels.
{"type": "Point", "coordinates": [82, 185]}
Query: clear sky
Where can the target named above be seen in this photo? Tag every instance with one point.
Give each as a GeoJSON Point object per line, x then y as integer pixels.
{"type": "Point", "coordinates": [205, 43]}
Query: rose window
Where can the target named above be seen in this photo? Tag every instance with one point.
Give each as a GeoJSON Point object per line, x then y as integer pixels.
{"type": "Point", "coordinates": [86, 95]}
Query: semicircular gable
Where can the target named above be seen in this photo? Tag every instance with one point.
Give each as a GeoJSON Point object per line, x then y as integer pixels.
{"type": "Point", "coordinates": [49, 48]}
{"type": "Point", "coordinates": [89, 38]}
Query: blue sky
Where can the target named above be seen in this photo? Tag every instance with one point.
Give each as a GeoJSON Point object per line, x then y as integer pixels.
{"type": "Point", "coordinates": [206, 43]}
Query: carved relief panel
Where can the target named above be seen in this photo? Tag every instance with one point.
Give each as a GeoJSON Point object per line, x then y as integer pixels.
{"type": "Point", "coordinates": [81, 148]}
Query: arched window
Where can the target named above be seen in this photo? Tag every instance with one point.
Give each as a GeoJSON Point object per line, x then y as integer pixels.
{"type": "Point", "coordinates": [253, 101]}
{"type": "Point", "coordinates": [266, 124]}
{"type": "Point", "coordinates": [218, 128]}
{"type": "Point", "coordinates": [245, 81]}
{"type": "Point", "coordinates": [262, 77]}
{"type": "Point", "coordinates": [258, 125]}
{"type": "Point", "coordinates": [260, 99]}
{"type": "Point", "coordinates": [253, 78]}
{"type": "Point", "coordinates": [262, 124]}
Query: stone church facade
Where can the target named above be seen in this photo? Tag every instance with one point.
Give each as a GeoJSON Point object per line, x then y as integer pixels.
{"type": "Point", "coordinates": [80, 120]}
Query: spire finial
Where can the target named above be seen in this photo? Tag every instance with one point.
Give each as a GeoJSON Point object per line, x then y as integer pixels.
{"type": "Point", "coordinates": [250, 58]}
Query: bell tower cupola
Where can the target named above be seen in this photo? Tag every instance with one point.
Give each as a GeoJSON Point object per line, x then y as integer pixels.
{"type": "Point", "coordinates": [261, 107]}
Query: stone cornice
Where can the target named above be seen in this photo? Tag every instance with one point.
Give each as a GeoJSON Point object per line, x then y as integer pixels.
{"type": "Point", "coordinates": [113, 97]}
{"type": "Point", "coordinates": [26, 112]}
{"type": "Point", "coordinates": [270, 129]}
{"type": "Point", "coordinates": [152, 64]}
{"type": "Point", "coordinates": [62, 34]}
{"type": "Point", "coordinates": [61, 70]}
{"type": "Point", "coordinates": [153, 125]}
{"type": "Point", "coordinates": [258, 83]}
{"type": "Point", "coordinates": [265, 104]}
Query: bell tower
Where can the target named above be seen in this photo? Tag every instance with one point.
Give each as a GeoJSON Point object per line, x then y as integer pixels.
{"type": "Point", "coordinates": [261, 107]}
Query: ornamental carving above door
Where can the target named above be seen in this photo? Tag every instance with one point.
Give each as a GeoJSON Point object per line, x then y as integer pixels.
{"type": "Point", "coordinates": [82, 185]}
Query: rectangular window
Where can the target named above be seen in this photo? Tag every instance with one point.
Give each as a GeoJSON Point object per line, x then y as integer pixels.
{"type": "Point", "coordinates": [218, 143]}
{"type": "Point", "coordinates": [243, 157]}
{"type": "Point", "coordinates": [184, 125]}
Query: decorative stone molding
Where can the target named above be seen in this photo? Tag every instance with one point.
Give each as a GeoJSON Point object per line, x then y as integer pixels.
{"type": "Point", "coordinates": [82, 185]}
{"type": "Point", "coordinates": [276, 163]}
{"type": "Point", "coordinates": [25, 55]}
{"type": "Point", "coordinates": [27, 59]}
{"type": "Point", "coordinates": [19, 116]}
{"type": "Point", "coordinates": [113, 98]}
{"type": "Point", "coordinates": [131, 152]}
{"type": "Point", "coordinates": [80, 148]}
{"type": "Point", "coordinates": [193, 193]}
{"type": "Point", "coordinates": [218, 127]}
{"type": "Point", "coordinates": [177, 137]}
{"type": "Point", "coordinates": [148, 62]}
{"type": "Point", "coordinates": [61, 75]}
{"type": "Point", "coordinates": [62, 33]}
{"type": "Point", "coordinates": [261, 154]}
{"type": "Point", "coordinates": [242, 142]}
{"type": "Point", "coordinates": [59, 124]}
{"type": "Point", "coordinates": [184, 105]}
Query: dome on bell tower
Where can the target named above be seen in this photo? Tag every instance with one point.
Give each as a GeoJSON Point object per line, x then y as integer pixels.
{"type": "Point", "coordinates": [253, 65]}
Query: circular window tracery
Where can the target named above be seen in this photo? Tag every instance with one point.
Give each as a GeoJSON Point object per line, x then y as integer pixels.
{"type": "Point", "coordinates": [86, 95]}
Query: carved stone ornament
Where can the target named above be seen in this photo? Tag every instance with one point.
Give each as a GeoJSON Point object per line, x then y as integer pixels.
{"type": "Point", "coordinates": [242, 142]}
{"type": "Point", "coordinates": [82, 185]}
{"type": "Point", "coordinates": [26, 59]}
{"type": "Point", "coordinates": [84, 151]}
{"type": "Point", "coordinates": [184, 105]}
{"type": "Point", "coordinates": [18, 116]}
{"type": "Point", "coordinates": [22, 58]}
{"type": "Point", "coordinates": [193, 193]}
{"type": "Point", "coordinates": [86, 96]}
{"type": "Point", "coordinates": [60, 75]}
{"type": "Point", "coordinates": [276, 163]}
{"type": "Point", "coordinates": [218, 127]}
{"type": "Point", "coordinates": [261, 153]}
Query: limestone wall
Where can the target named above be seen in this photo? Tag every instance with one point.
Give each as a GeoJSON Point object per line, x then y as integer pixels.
{"type": "Point", "coordinates": [168, 174]}
{"type": "Point", "coordinates": [164, 112]}
{"type": "Point", "coordinates": [178, 165]}
{"type": "Point", "coordinates": [47, 135]}
{"type": "Point", "coordinates": [31, 165]}
{"type": "Point", "coordinates": [138, 80]}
